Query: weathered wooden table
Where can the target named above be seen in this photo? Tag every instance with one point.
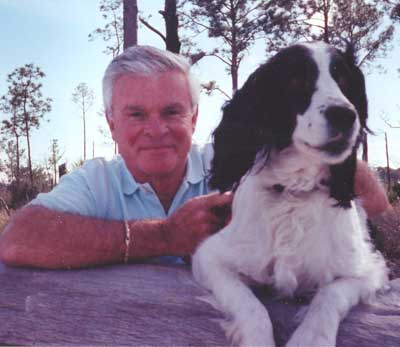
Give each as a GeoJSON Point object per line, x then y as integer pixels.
{"type": "Point", "coordinates": [149, 305]}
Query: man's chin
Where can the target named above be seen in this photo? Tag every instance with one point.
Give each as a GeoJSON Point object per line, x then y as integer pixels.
{"type": "Point", "coordinates": [159, 167]}
{"type": "Point", "coordinates": [150, 167]}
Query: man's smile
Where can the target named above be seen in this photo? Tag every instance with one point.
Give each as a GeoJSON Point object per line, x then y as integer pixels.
{"type": "Point", "coordinates": [157, 148]}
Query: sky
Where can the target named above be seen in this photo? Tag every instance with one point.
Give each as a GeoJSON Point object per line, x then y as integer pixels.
{"type": "Point", "coordinates": [53, 34]}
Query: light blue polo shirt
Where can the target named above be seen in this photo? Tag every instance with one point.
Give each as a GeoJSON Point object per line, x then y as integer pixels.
{"type": "Point", "coordinates": [106, 189]}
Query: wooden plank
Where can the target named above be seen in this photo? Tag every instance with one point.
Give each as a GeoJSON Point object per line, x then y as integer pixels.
{"type": "Point", "coordinates": [120, 305]}
{"type": "Point", "coordinates": [150, 305]}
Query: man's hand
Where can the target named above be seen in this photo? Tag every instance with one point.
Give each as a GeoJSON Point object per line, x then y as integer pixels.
{"type": "Point", "coordinates": [370, 191]}
{"type": "Point", "coordinates": [194, 221]}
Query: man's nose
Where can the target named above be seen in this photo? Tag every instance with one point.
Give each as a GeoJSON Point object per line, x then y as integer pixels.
{"type": "Point", "coordinates": [155, 127]}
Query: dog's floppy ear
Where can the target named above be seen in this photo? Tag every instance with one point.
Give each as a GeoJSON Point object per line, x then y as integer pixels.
{"type": "Point", "coordinates": [242, 132]}
{"type": "Point", "coordinates": [341, 181]}
{"type": "Point", "coordinates": [342, 175]}
{"type": "Point", "coordinates": [235, 140]}
{"type": "Point", "coordinates": [250, 126]}
{"type": "Point", "coordinates": [357, 95]}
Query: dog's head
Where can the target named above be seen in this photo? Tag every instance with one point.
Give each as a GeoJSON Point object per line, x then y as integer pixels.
{"type": "Point", "coordinates": [310, 96]}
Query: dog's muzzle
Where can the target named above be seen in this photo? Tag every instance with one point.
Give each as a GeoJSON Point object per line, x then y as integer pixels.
{"type": "Point", "coordinates": [340, 120]}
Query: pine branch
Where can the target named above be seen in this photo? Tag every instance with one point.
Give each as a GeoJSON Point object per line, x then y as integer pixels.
{"type": "Point", "coordinates": [220, 58]}
{"type": "Point", "coordinates": [388, 124]}
{"type": "Point", "coordinates": [149, 26]}
{"type": "Point", "coordinates": [249, 11]}
{"type": "Point", "coordinates": [375, 46]}
{"type": "Point", "coordinates": [225, 37]}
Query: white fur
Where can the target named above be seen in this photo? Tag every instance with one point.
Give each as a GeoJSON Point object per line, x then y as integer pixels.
{"type": "Point", "coordinates": [295, 241]}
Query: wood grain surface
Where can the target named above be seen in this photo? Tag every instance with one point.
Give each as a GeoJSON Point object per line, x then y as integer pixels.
{"type": "Point", "coordinates": [151, 305]}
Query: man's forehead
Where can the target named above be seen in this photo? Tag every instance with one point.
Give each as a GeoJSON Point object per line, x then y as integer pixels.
{"type": "Point", "coordinates": [142, 106]}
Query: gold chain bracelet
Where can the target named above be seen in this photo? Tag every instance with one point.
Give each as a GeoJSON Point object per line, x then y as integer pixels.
{"type": "Point", "coordinates": [127, 241]}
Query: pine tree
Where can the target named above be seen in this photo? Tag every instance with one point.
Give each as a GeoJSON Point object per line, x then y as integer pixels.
{"type": "Point", "coordinates": [82, 96]}
{"type": "Point", "coordinates": [236, 24]}
{"type": "Point", "coordinates": [112, 32]}
{"type": "Point", "coordinates": [27, 105]}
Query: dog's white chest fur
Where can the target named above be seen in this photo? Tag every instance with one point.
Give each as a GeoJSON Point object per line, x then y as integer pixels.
{"type": "Point", "coordinates": [297, 241]}
{"type": "Point", "coordinates": [293, 237]}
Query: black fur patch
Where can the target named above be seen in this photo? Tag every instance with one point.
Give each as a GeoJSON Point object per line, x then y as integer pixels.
{"type": "Point", "coordinates": [351, 81]}
{"type": "Point", "coordinates": [262, 115]}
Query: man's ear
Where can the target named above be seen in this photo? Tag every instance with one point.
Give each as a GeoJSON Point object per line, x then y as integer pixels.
{"type": "Point", "coordinates": [194, 118]}
{"type": "Point", "coordinates": [110, 121]}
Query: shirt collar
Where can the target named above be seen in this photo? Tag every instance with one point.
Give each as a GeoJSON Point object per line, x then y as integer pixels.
{"type": "Point", "coordinates": [195, 169]}
{"type": "Point", "coordinates": [128, 183]}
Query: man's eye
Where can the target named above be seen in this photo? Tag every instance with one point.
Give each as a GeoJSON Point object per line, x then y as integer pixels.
{"type": "Point", "coordinates": [171, 112]}
{"type": "Point", "coordinates": [136, 114]}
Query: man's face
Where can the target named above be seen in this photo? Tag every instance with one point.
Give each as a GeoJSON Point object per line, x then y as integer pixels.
{"type": "Point", "coordinates": [153, 122]}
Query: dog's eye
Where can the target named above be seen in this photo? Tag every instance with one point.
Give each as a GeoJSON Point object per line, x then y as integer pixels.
{"type": "Point", "coordinates": [300, 84]}
{"type": "Point", "coordinates": [341, 75]}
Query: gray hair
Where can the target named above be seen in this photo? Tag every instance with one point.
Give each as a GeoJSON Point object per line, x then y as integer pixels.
{"type": "Point", "coordinates": [146, 61]}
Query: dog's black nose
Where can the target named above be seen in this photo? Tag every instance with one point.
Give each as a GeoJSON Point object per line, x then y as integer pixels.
{"type": "Point", "coordinates": [340, 119]}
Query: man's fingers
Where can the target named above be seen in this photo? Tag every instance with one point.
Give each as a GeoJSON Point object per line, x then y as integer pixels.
{"type": "Point", "coordinates": [218, 199]}
{"type": "Point", "coordinates": [213, 218]}
{"type": "Point", "coordinates": [219, 205]}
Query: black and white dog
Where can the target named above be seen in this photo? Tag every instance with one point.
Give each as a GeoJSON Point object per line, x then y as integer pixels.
{"type": "Point", "coordinates": [287, 144]}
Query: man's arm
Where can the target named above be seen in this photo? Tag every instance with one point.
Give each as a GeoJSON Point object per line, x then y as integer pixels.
{"type": "Point", "coordinates": [39, 237]}
{"type": "Point", "coordinates": [371, 193]}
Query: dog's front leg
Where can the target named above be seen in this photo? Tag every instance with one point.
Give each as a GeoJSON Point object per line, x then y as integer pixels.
{"type": "Point", "coordinates": [248, 322]}
{"type": "Point", "coordinates": [329, 306]}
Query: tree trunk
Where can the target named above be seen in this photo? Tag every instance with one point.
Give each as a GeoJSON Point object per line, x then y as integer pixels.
{"type": "Point", "coordinates": [130, 23]}
{"type": "Point", "coordinates": [26, 120]}
{"type": "Point", "coordinates": [28, 142]}
{"type": "Point", "coordinates": [54, 163]}
{"type": "Point", "coordinates": [234, 48]}
{"type": "Point", "coordinates": [326, 22]}
{"type": "Point", "coordinates": [234, 70]}
{"type": "Point", "coordinates": [173, 43]}
{"type": "Point", "coordinates": [55, 174]}
{"type": "Point", "coordinates": [387, 164]}
{"type": "Point", "coordinates": [17, 174]}
{"type": "Point", "coordinates": [84, 134]}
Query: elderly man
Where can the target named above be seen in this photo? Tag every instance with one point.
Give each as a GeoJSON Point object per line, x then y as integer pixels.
{"type": "Point", "coordinates": [150, 201]}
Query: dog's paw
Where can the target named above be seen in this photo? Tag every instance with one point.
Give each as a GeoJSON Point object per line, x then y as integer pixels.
{"type": "Point", "coordinates": [257, 341]}
{"type": "Point", "coordinates": [248, 335]}
{"type": "Point", "coordinates": [311, 338]}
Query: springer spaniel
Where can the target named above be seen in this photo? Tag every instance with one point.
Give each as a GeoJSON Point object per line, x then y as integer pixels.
{"type": "Point", "coordinates": [287, 145]}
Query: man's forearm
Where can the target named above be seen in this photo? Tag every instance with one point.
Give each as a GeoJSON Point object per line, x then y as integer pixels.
{"type": "Point", "coordinates": [371, 193]}
{"type": "Point", "coordinates": [40, 237]}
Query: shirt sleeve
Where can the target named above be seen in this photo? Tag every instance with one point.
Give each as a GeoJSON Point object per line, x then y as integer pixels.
{"type": "Point", "coordinates": [72, 194]}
